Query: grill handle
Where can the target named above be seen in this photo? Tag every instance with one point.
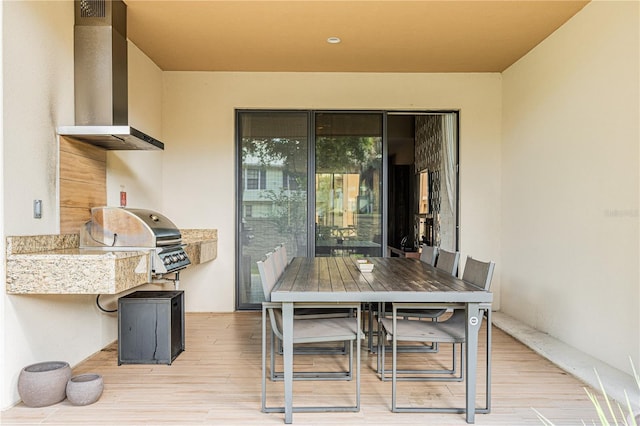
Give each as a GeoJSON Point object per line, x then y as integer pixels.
{"type": "Point", "coordinates": [172, 242]}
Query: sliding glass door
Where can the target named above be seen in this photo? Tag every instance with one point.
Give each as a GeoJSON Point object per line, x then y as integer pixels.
{"type": "Point", "coordinates": [333, 183]}
{"type": "Point", "coordinates": [310, 180]}
{"type": "Point", "coordinates": [272, 193]}
{"type": "Point", "coordinates": [348, 184]}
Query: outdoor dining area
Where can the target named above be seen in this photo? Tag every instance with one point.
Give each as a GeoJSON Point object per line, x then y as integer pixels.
{"type": "Point", "coordinates": [341, 340]}
{"type": "Point", "coordinates": [407, 309]}
{"type": "Point", "coordinates": [216, 381]}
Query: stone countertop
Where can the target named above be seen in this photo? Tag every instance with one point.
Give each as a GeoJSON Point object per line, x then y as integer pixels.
{"type": "Point", "coordinates": [53, 264]}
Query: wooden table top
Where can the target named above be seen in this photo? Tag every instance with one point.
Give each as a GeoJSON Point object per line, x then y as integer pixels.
{"type": "Point", "coordinates": [393, 279]}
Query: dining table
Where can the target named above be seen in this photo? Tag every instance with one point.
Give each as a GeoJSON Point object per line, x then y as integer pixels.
{"type": "Point", "coordinates": [334, 280]}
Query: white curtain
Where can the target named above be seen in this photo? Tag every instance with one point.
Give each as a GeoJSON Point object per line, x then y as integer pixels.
{"type": "Point", "coordinates": [449, 158]}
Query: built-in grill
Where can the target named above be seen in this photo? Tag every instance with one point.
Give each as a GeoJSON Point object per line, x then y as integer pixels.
{"type": "Point", "coordinates": [118, 228]}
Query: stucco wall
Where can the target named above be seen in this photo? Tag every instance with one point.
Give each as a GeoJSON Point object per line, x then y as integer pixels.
{"type": "Point", "coordinates": [37, 62]}
{"type": "Point", "coordinates": [199, 129]}
{"type": "Point", "coordinates": [570, 184]}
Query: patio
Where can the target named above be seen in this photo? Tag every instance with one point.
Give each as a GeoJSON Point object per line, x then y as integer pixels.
{"type": "Point", "coordinates": [217, 381]}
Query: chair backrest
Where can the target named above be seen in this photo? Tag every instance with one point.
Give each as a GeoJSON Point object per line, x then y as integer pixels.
{"type": "Point", "coordinates": [448, 261]}
{"type": "Point", "coordinates": [267, 269]}
{"type": "Point", "coordinates": [429, 254]}
{"type": "Point", "coordinates": [277, 263]}
{"type": "Point", "coordinates": [269, 276]}
{"type": "Point", "coordinates": [280, 254]}
{"type": "Point", "coordinates": [478, 273]}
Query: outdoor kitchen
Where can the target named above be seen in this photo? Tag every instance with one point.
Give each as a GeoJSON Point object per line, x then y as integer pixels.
{"type": "Point", "coordinates": [55, 264]}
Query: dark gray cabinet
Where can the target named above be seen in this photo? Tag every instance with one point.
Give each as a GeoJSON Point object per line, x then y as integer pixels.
{"type": "Point", "coordinates": [150, 327]}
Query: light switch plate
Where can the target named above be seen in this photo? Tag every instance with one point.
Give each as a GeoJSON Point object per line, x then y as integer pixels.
{"type": "Point", "coordinates": [37, 209]}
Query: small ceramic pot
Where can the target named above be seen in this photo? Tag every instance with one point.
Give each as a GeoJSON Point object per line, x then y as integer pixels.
{"type": "Point", "coordinates": [84, 389]}
{"type": "Point", "coordinates": [43, 383]}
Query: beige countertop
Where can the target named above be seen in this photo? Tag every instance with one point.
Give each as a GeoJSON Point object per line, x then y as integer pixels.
{"type": "Point", "coordinates": [53, 264]}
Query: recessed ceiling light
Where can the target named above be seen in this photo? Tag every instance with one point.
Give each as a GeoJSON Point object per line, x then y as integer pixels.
{"type": "Point", "coordinates": [333, 40]}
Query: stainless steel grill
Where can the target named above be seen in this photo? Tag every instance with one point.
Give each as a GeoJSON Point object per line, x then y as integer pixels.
{"type": "Point", "coordinates": [118, 228]}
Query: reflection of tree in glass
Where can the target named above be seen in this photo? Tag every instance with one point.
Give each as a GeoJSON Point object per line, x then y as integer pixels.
{"type": "Point", "coordinates": [345, 154]}
{"type": "Point", "coordinates": [290, 153]}
{"type": "Point", "coordinates": [289, 200]}
{"type": "Point", "coordinates": [289, 210]}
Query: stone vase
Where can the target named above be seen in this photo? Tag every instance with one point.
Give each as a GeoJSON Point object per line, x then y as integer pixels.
{"type": "Point", "coordinates": [84, 389]}
{"type": "Point", "coordinates": [44, 383]}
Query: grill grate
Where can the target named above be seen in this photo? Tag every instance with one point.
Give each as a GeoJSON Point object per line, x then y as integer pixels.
{"type": "Point", "coordinates": [93, 8]}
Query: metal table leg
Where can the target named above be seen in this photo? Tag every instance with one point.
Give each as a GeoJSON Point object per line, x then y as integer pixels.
{"type": "Point", "coordinates": [287, 346]}
{"type": "Point", "coordinates": [472, 327]}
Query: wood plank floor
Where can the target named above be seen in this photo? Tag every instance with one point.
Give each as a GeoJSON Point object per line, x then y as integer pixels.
{"type": "Point", "coordinates": [216, 381]}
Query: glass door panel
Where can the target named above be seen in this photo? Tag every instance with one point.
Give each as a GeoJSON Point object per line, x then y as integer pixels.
{"type": "Point", "coordinates": [436, 164]}
{"type": "Point", "coordinates": [272, 191]}
{"type": "Point", "coordinates": [348, 184]}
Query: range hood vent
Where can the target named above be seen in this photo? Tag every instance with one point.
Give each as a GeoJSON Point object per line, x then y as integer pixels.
{"type": "Point", "coordinates": [100, 66]}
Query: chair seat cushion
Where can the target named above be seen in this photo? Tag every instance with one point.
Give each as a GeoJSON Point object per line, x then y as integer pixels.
{"type": "Point", "coordinates": [322, 329]}
{"type": "Point", "coordinates": [451, 330]}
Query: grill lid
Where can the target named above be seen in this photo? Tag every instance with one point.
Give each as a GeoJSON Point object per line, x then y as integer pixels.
{"type": "Point", "coordinates": [125, 227]}
{"type": "Point", "coordinates": [164, 230]}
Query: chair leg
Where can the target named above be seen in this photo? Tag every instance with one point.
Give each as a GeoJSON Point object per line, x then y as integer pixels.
{"type": "Point", "coordinates": [272, 371]}
{"type": "Point", "coordinates": [382, 337]}
{"type": "Point", "coordinates": [481, 410]}
{"type": "Point", "coordinates": [394, 370]}
{"type": "Point", "coordinates": [264, 360]}
{"type": "Point", "coordinates": [355, 408]}
{"type": "Point", "coordinates": [487, 408]}
{"type": "Point", "coordinates": [278, 376]}
{"type": "Point", "coordinates": [358, 366]}
{"type": "Point", "coordinates": [421, 375]}
{"type": "Point", "coordinates": [370, 327]}
{"type": "Point", "coordinates": [381, 366]}
{"type": "Point", "coordinates": [453, 371]}
{"type": "Point", "coordinates": [311, 350]}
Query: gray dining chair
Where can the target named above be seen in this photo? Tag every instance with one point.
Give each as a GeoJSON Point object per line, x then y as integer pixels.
{"type": "Point", "coordinates": [281, 262]}
{"type": "Point", "coordinates": [270, 271]}
{"type": "Point", "coordinates": [312, 330]}
{"type": "Point", "coordinates": [451, 330]}
{"type": "Point", "coordinates": [429, 254]}
{"type": "Point", "coordinates": [448, 261]}
{"type": "Point", "coordinates": [449, 264]}
{"type": "Point", "coordinates": [280, 258]}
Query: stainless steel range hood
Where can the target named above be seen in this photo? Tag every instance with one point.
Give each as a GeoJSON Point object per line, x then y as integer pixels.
{"type": "Point", "coordinates": [112, 137]}
{"type": "Point", "coordinates": [101, 81]}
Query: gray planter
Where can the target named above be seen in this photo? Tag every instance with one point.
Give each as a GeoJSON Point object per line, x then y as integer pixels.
{"type": "Point", "coordinates": [44, 383]}
{"type": "Point", "coordinates": [84, 389]}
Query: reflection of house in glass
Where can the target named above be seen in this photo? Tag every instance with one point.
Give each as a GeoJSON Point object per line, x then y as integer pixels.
{"type": "Point", "coordinates": [347, 212]}
{"type": "Point", "coordinates": [338, 195]}
{"type": "Point", "coordinates": [274, 205]}
{"type": "Point", "coordinates": [259, 181]}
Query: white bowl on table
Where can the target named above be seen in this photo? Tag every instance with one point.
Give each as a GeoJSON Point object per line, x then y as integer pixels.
{"type": "Point", "coordinates": [365, 265]}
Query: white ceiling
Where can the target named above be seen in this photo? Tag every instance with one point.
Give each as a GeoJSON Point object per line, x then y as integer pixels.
{"type": "Point", "coordinates": [377, 36]}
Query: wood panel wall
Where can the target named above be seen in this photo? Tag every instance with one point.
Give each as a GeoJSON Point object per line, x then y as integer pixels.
{"type": "Point", "coordinates": [83, 183]}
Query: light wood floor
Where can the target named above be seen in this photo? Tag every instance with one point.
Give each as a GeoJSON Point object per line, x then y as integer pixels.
{"type": "Point", "coordinates": [216, 381]}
